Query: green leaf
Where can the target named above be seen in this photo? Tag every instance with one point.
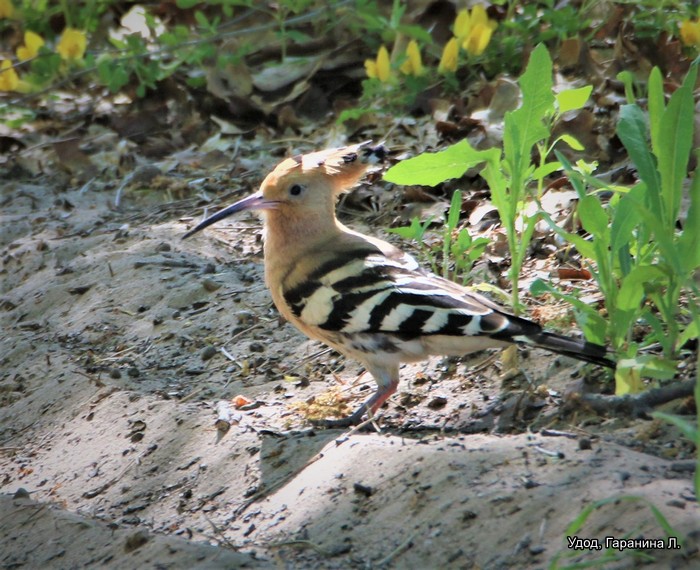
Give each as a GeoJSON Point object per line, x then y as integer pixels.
{"type": "Point", "coordinates": [675, 141]}
{"type": "Point", "coordinates": [201, 19]}
{"type": "Point", "coordinates": [632, 131]}
{"type": "Point", "coordinates": [656, 105]}
{"type": "Point", "coordinates": [546, 169]}
{"type": "Point", "coordinates": [454, 211]}
{"type": "Point", "coordinates": [525, 126]}
{"type": "Point", "coordinates": [625, 219]}
{"type": "Point", "coordinates": [431, 169]}
{"type": "Point", "coordinates": [631, 291]}
{"type": "Point", "coordinates": [689, 240]}
{"type": "Point", "coordinates": [416, 32]}
{"type": "Point", "coordinates": [593, 217]}
{"type": "Point", "coordinates": [573, 98]}
{"type": "Point", "coordinates": [414, 231]}
{"type": "Point", "coordinates": [627, 80]}
{"type": "Point", "coordinates": [649, 366]}
{"type": "Point", "coordinates": [572, 142]}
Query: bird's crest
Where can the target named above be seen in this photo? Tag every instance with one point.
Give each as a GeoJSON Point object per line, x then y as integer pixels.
{"type": "Point", "coordinates": [342, 166]}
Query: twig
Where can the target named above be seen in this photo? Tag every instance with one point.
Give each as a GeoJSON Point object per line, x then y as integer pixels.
{"type": "Point", "coordinates": [400, 548]}
{"type": "Point", "coordinates": [225, 416]}
{"type": "Point", "coordinates": [228, 355]}
{"type": "Point", "coordinates": [557, 433]}
{"type": "Point", "coordinates": [219, 532]}
{"type": "Point", "coordinates": [557, 454]}
{"type": "Point", "coordinates": [637, 404]}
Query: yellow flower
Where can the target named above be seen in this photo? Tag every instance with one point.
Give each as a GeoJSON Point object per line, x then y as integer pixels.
{"type": "Point", "coordinates": [379, 68]}
{"type": "Point", "coordinates": [690, 32]}
{"type": "Point", "coordinates": [479, 16]}
{"type": "Point", "coordinates": [6, 9]}
{"type": "Point", "coordinates": [474, 29]}
{"type": "Point", "coordinates": [413, 64]}
{"type": "Point", "coordinates": [462, 23]}
{"type": "Point", "coordinates": [72, 44]}
{"type": "Point", "coordinates": [30, 49]}
{"type": "Point", "coordinates": [478, 39]}
{"type": "Point", "coordinates": [448, 61]}
{"type": "Point", "coordinates": [9, 81]}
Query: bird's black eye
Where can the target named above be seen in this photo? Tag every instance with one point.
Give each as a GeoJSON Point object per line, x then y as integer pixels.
{"type": "Point", "coordinates": [296, 190]}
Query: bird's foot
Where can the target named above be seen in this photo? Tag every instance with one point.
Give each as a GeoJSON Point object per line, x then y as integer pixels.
{"type": "Point", "coordinates": [353, 420]}
{"type": "Point", "coordinates": [341, 423]}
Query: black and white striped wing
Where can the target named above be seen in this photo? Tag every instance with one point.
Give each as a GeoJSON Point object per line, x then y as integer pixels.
{"type": "Point", "coordinates": [370, 293]}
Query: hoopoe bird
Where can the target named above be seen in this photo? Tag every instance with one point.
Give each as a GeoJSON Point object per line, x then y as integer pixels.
{"type": "Point", "coordinates": [361, 295]}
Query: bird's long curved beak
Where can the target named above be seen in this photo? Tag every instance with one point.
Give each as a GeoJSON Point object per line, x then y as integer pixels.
{"type": "Point", "coordinates": [253, 202]}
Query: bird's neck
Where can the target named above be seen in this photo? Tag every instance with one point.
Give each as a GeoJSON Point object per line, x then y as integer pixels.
{"type": "Point", "coordinates": [287, 239]}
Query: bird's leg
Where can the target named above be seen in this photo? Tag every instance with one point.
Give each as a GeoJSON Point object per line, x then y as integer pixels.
{"type": "Point", "coordinates": [387, 380]}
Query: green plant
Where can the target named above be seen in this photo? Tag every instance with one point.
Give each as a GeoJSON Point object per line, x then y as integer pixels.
{"type": "Point", "coordinates": [643, 264]}
{"type": "Point", "coordinates": [459, 251]}
{"type": "Point", "coordinates": [514, 180]}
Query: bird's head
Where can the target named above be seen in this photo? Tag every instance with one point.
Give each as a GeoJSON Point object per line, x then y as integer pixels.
{"type": "Point", "coordinates": [305, 186]}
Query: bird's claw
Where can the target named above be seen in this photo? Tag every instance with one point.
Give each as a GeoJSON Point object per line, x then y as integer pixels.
{"type": "Point", "coordinates": [352, 420]}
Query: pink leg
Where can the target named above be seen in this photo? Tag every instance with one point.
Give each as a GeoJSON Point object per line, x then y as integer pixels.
{"type": "Point", "coordinates": [387, 380]}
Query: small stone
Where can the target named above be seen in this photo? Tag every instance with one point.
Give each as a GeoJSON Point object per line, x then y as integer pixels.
{"type": "Point", "coordinates": [361, 489]}
{"type": "Point", "coordinates": [21, 493]}
{"type": "Point", "coordinates": [209, 352]}
{"type": "Point", "coordinates": [136, 540]}
{"type": "Point", "coordinates": [437, 402]}
{"type": "Point", "coordinates": [210, 285]}
{"type": "Point", "coordinates": [246, 318]}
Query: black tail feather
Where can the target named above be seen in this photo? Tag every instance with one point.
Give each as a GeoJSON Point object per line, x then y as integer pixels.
{"type": "Point", "coordinates": [579, 349]}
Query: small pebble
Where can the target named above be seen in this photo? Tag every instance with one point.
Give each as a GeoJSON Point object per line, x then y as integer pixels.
{"type": "Point", "coordinates": [210, 285]}
{"type": "Point", "coordinates": [208, 353]}
{"type": "Point", "coordinates": [136, 540]}
{"type": "Point", "coordinates": [361, 489]}
{"type": "Point", "coordinates": [246, 317]}
{"type": "Point", "coordinates": [437, 402]}
{"type": "Point", "coordinates": [676, 503]}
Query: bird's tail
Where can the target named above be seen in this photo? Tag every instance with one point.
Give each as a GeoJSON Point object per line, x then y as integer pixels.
{"type": "Point", "coordinates": [579, 349]}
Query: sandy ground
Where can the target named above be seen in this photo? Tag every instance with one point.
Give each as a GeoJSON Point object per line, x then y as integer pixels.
{"type": "Point", "coordinates": [111, 373]}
